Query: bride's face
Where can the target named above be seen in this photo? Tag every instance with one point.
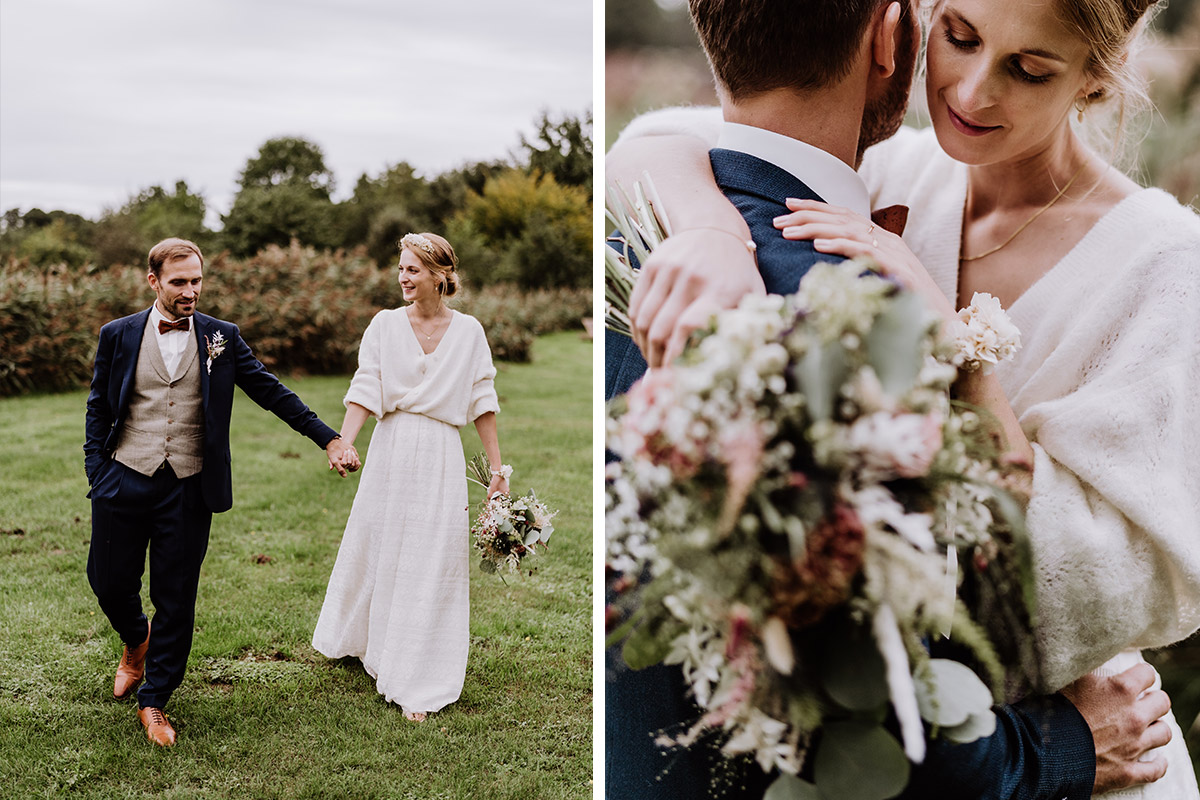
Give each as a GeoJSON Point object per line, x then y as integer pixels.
{"type": "Point", "coordinates": [417, 281]}
{"type": "Point", "coordinates": [1002, 78]}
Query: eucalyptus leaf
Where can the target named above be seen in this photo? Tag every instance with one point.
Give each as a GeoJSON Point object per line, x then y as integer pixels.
{"type": "Point", "coordinates": [977, 726]}
{"type": "Point", "coordinates": [893, 345]}
{"type": "Point", "coordinates": [487, 566]}
{"type": "Point", "coordinates": [859, 761]}
{"type": "Point", "coordinates": [789, 787]}
{"type": "Point", "coordinates": [532, 537]}
{"type": "Point", "coordinates": [645, 647]}
{"type": "Point", "coordinates": [949, 692]}
{"type": "Point", "coordinates": [821, 372]}
{"type": "Point", "coordinates": [853, 672]}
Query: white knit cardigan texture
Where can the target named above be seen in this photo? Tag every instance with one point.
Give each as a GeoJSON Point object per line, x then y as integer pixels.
{"type": "Point", "coordinates": [1106, 387]}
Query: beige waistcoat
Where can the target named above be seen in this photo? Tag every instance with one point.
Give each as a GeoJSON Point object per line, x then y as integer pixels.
{"type": "Point", "coordinates": [165, 421]}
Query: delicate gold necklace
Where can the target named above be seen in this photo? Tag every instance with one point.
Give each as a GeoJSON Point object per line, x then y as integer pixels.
{"type": "Point", "coordinates": [1029, 221]}
{"type": "Point", "coordinates": [412, 321]}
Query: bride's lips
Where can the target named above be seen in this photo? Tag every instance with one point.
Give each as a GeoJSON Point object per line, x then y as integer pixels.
{"type": "Point", "coordinates": [968, 129]}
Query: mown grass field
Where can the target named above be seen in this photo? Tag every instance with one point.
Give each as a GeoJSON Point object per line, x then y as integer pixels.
{"type": "Point", "coordinates": [260, 713]}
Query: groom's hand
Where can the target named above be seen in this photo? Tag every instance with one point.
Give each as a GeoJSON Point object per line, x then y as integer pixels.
{"type": "Point", "coordinates": [1124, 712]}
{"type": "Point", "coordinates": [689, 277]}
{"type": "Point", "coordinates": [342, 457]}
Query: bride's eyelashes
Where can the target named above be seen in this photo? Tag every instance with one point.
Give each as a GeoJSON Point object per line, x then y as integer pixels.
{"type": "Point", "coordinates": [967, 45]}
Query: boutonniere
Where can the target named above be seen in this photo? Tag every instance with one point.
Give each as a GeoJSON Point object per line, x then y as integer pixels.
{"type": "Point", "coordinates": [215, 348]}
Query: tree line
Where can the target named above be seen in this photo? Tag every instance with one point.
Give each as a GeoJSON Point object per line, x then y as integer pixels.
{"type": "Point", "coordinates": [524, 220]}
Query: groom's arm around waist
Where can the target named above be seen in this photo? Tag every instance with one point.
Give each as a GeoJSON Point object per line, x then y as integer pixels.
{"type": "Point", "coordinates": [1042, 750]}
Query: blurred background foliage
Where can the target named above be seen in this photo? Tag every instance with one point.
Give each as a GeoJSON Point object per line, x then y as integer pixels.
{"type": "Point", "coordinates": [653, 60]}
{"type": "Point", "coordinates": [301, 273]}
{"type": "Point", "coordinates": [285, 194]}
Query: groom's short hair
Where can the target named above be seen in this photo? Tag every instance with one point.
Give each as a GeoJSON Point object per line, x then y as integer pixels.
{"type": "Point", "coordinates": [172, 250]}
{"type": "Point", "coordinates": [755, 46]}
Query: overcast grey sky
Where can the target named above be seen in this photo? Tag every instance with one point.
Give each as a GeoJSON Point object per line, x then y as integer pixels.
{"type": "Point", "coordinates": [99, 100]}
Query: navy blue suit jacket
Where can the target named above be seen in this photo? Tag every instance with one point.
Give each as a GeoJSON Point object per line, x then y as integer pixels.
{"type": "Point", "coordinates": [112, 383]}
{"type": "Point", "coordinates": [1042, 748]}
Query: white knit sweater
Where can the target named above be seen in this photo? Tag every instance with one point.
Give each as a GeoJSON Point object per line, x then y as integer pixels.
{"type": "Point", "coordinates": [1106, 387]}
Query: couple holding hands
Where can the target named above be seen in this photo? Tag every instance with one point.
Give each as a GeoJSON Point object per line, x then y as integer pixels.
{"type": "Point", "coordinates": [157, 458]}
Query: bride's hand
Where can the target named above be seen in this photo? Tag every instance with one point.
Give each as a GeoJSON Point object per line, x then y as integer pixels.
{"type": "Point", "coordinates": [688, 278]}
{"type": "Point", "coordinates": [498, 485]}
{"type": "Point", "coordinates": [842, 232]}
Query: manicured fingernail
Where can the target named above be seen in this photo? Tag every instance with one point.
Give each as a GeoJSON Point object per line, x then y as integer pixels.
{"type": "Point", "coordinates": [820, 244]}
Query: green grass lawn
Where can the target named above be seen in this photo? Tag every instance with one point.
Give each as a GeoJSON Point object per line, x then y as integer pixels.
{"type": "Point", "coordinates": [260, 714]}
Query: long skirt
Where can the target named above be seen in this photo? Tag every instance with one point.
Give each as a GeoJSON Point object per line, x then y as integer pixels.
{"type": "Point", "coordinates": [398, 596]}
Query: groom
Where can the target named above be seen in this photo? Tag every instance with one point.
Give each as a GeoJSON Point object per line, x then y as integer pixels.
{"type": "Point", "coordinates": [157, 461]}
{"type": "Point", "coordinates": [804, 90]}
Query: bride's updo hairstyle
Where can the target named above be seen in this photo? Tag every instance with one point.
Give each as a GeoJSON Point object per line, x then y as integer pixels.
{"type": "Point", "coordinates": [437, 255]}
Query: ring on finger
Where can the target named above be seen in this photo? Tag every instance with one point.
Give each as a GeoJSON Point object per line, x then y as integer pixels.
{"type": "Point", "coordinates": [870, 229]}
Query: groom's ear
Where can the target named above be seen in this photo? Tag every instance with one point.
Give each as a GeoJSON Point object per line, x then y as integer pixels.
{"type": "Point", "coordinates": [885, 39]}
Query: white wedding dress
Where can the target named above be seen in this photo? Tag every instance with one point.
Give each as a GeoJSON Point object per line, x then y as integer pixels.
{"type": "Point", "coordinates": [398, 596]}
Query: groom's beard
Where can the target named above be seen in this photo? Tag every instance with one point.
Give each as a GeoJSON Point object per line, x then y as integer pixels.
{"type": "Point", "coordinates": [883, 116]}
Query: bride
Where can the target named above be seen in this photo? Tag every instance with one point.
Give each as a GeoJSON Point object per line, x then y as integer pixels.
{"type": "Point", "coordinates": [398, 595]}
{"type": "Point", "coordinates": [1098, 273]}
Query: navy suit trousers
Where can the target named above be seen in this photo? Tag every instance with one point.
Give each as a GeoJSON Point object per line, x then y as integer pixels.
{"type": "Point", "coordinates": [132, 513]}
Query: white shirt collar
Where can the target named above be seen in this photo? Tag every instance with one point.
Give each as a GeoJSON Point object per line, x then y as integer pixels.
{"type": "Point", "coordinates": [826, 174]}
{"type": "Point", "coordinates": [156, 315]}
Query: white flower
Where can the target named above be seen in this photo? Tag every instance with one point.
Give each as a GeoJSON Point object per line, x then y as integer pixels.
{"type": "Point", "coordinates": [764, 737]}
{"type": "Point", "coordinates": [896, 445]}
{"type": "Point", "coordinates": [984, 334]}
{"type": "Point", "coordinates": [876, 507]}
{"type": "Point", "coordinates": [418, 241]}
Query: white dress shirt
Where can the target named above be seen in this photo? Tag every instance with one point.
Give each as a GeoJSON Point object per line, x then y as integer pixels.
{"type": "Point", "coordinates": [172, 343]}
{"type": "Point", "coordinates": [832, 179]}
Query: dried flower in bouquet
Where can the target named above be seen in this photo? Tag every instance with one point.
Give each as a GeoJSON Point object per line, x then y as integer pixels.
{"type": "Point", "coordinates": [507, 530]}
{"type": "Point", "coordinates": [809, 512]}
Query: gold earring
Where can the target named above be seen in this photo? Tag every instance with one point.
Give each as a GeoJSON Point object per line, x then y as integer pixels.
{"type": "Point", "coordinates": [1080, 105]}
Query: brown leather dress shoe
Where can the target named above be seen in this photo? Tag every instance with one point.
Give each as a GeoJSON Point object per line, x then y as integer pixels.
{"type": "Point", "coordinates": [158, 729]}
{"type": "Point", "coordinates": [132, 668]}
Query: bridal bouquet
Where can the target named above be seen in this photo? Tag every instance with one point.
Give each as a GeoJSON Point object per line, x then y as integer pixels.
{"type": "Point", "coordinates": [507, 530]}
{"type": "Point", "coordinates": [799, 509]}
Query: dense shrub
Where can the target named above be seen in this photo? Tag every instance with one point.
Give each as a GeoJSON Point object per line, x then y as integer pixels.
{"type": "Point", "coordinates": [302, 311]}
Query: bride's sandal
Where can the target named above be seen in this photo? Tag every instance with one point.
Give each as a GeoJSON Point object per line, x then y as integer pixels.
{"type": "Point", "coordinates": [415, 716]}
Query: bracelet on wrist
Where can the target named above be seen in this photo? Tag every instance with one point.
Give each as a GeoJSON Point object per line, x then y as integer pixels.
{"type": "Point", "coordinates": [984, 335]}
{"type": "Point", "coordinates": [747, 243]}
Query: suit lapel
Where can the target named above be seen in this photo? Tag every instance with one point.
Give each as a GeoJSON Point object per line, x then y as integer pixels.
{"type": "Point", "coordinates": [204, 329]}
{"type": "Point", "coordinates": [131, 345]}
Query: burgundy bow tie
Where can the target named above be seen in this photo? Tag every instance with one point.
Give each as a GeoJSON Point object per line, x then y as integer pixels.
{"type": "Point", "coordinates": [177, 325]}
{"type": "Point", "coordinates": [892, 219]}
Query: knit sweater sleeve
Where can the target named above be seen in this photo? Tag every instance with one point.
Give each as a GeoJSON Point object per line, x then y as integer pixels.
{"type": "Point", "coordinates": [703, 122]}
{"type": "Point", "coordinates": [366, 387]}
{"type": "Point", "coordinates": [483, 381]}
{"type": "Point", "coordinates": [1109, 400]}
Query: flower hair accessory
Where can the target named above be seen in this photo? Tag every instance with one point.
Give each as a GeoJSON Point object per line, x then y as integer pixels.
{"type": "Point", "coordinates": [418, 241]}
{"type": "Point", "coordinates": [984, 335]}
{"type": "Point", "coordinates": [214, 348]}
{"type": "Point", "coordinates": [505, 471]}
